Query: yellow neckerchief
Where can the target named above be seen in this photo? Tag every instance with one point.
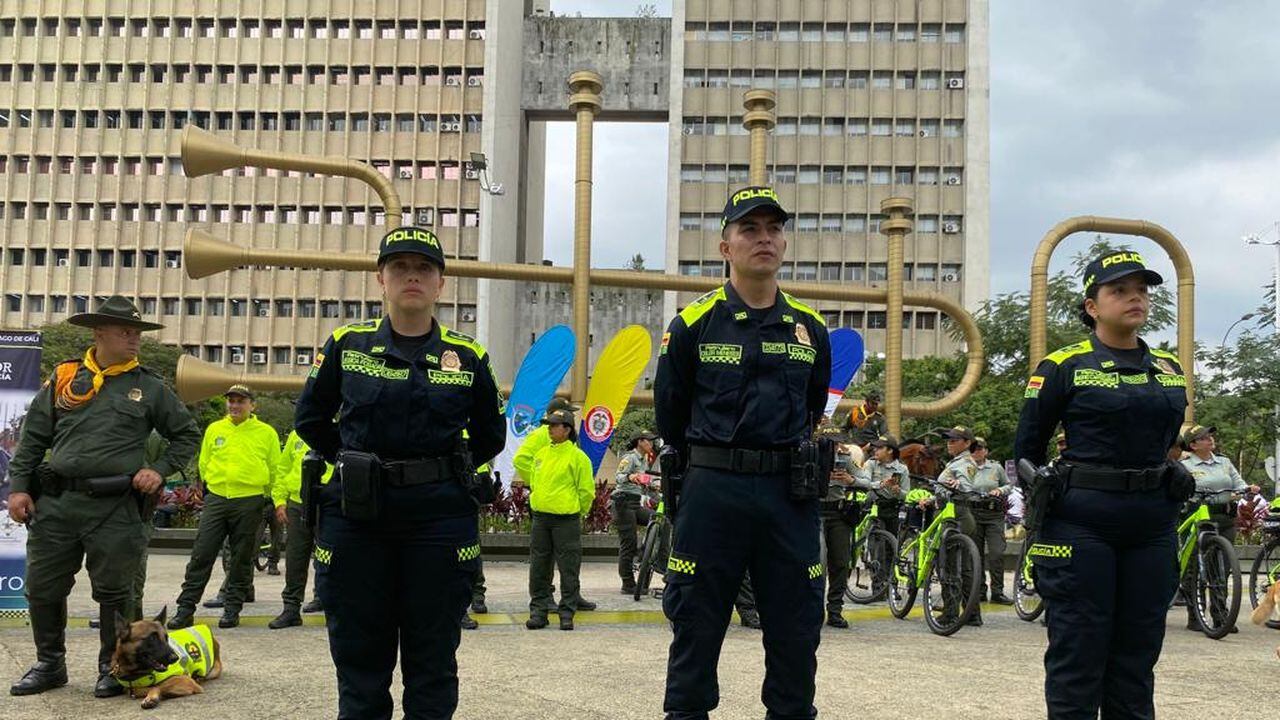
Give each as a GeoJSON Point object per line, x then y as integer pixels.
{"type": "Point", "coordinates": [859, 417]}
{"type": "Point", "coordinates": [68, 399]}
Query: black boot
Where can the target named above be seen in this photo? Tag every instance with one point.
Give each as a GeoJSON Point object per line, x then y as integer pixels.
{"type": "Point", "coordinates": [836, 619]}
{"type": "Point", "coordinates": [313, 607]}
{"type": "Point", "coordinates": [48, 627]}
{"type": "Point", "coordinates": [289, 618]}
{"type": "Point", "coordinates": [109, 616]}
{"type": "Point", "coordinates": [185, 617]}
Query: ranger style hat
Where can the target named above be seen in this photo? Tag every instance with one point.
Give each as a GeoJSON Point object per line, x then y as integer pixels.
{"type": "Point", "coordinates": [1197, 432]}
{"type": "Point", "coordinates": [1113, 266]}
{"type": "Point", "coordinates": [239, 389]}
{"type": "Point", "coordinates": [888, 441]}
{"type": "Point", "coordinates": [115, 310]}
{"type": "Point", "coordinates": [559, 403]}
{"type": "Point", "coordinates": [642, 435]}
{"type": "Point", "coordinates": [411, 240]}
{"type": "Point", "coordinates": [558, 417]}
{"type": "Point", "coordinates": [978, 442]}
{"type": "Point", "coordinates": [958, 432]}
{"type": "Point", "coordinates": [748, 200]}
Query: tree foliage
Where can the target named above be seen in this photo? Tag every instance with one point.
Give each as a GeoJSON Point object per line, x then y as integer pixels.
{"type": "Point", "coordinates": [1237, 393]}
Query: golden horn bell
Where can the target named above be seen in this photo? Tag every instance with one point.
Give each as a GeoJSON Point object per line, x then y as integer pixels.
{"type": "Point", "coordinates": [203, 153]}
{"type": "Point", "coordinates": [198, 380]}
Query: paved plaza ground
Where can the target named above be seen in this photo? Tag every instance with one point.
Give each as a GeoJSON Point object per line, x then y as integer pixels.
{"type": "Point", "coordinates": [612, 667]}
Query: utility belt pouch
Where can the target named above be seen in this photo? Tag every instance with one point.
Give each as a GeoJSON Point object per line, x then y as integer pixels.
{"type": "Point", "coordinates": [108, 486]}
{"type": "Point", "coordinates": [361, 475]}
{"type": "Point", "coordinates": [312, 474]}
{"type": "Point", "coordinates": [672, 466]}
{"type": "Point", "coordinates": [805, 481]}
{"type": "Point", "coordinates": [1041, 491]}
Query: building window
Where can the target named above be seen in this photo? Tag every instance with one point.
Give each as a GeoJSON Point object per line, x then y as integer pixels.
{"type": "Point", "coordinates": [950, 273]}
{"type": "Point", "coordinates": [877, 272]}
{"type": "Point", "coordinates": [855, 223]}
{"type": "Point", "coordinates": [877, 320]}
{"type": "Point", "coordinates": [169, 306]}
{"type": "Point", "coordinates": [926, 273]}
{"type": "Point", "coordinates": [930, 32]}
{"type": "Point", "coordinates": [193, 306]}
{"type": "Point", "coordinates": [307, 308]}
{"type": "Point", "coordinates": [954, 33]}
{"type": "Point", "coordinates": [217, 307]}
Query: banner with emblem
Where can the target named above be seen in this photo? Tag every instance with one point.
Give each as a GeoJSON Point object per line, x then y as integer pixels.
{"type": "Point", "coordinates": [536, 381]}
{"type": "Point", "coordinates": [613, 379]}
{"type": "Point", "coordinates": [847, 353]}
{"type": "Point", "coordinates": [19, 382]}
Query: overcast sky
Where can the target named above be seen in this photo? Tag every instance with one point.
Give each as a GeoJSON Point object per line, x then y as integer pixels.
{"type": "Point", "coordinates": [1097, 108]}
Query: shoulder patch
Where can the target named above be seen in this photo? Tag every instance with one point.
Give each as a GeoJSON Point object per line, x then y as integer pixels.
{"type": "Point", "coordinates": [702, 306]}
{"type": "Point", "coordinates": [804, 308]}
{"type": "Point", "coordinates": [1166, 355]}
{"type": "Point", "coordinates": [453, 337]}
{"type": "Point", "coordinates": [1060, 356]}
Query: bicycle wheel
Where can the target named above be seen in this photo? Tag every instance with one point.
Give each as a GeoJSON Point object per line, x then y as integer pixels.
{"type": "Point", "coordinates": [902, 577]}
{"type": "Point", "coordinates": [1026, 602]}
{"type": "Point", "coordinates": [648, 558]}
{"type": "Point", "coordinates": [1217, 600]}
{"type": "Point", "coordinates": [1265, 571]}
{"type": "Point", "coordinates": [264, 549]}
{"type": "Point", "coordinates": [948, 600]}
{"type": "Point", "coordinates": [872, 565]}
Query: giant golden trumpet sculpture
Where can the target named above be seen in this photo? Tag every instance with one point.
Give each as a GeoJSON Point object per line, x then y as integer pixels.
{"type": "Point", "coordinates": [206, 255]}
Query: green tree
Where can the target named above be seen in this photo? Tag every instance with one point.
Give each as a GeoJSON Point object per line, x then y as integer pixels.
{"type": "Point", "coordinates": [633, 421]}
{"type": "Point", "coordinates": [636, 263]}
{"type": "Point", "coordinates": [1237, 393]}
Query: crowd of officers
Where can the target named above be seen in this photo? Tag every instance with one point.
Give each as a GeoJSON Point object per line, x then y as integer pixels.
{"type": "Point", "coordinates": [409, 413]}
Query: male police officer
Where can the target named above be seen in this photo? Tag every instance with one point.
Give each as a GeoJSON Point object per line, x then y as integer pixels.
{"type": "Point", "coordinates": [238, 463]}
{"type": "Point", "coordinates": [417, 410]}
{"type": "Point", "coordinates": [740, 387]}
{"type": "Point", "coordinates": [865, 422]}
{"type": "Point", "coordinates": [94, 415]}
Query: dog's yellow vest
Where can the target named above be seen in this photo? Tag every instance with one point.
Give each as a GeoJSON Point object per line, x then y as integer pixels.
{"type": "Point", "coordinates": [194, 646]}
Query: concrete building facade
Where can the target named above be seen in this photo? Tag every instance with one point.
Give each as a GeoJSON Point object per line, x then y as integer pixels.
{"type": "Point", "coordinates": [875, 98]}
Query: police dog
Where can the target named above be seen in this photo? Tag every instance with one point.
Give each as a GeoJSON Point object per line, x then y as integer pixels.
{"type": "Point", "coordinates": [154, 664]}
{"type": "Point", "coordinates": [1266, 607]}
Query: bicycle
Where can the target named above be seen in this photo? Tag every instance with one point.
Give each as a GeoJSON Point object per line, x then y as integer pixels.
{"type": "Point", "coordinates": [1027, 603]}
{"type": "Point", "coordinates": [874, 550]}
{"type": "Point", "coordinates": [657, 539]}
{"type": "Point", "coordinates": [1265, 571]}
{"type": "Point", "coordinates": [261, 557]}
{"type": "Point", "coordinates": [933, 557]}
{"type": "Point", "coordinates": [1216, 601]}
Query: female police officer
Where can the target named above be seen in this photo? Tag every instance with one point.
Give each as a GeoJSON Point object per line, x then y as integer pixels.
{"type": "Point", "coordinates": [397, 539]}
{"type": "Point", "coordinates": [1105, 554]}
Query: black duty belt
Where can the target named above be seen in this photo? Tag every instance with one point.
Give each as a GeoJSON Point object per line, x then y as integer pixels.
{"type": "Point", "coordinates": [1093, 477]}
{"type": "Point", "coordinates": [742, 460]}
{"type": "Point", "coordinates": [423, 471]}
{"type": "Point", "coordinates": [988, 503]}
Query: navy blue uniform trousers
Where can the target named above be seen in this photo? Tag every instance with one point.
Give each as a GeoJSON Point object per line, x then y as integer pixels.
{"type": "Point", "coordinates": [398, 585]}
{"type": "Point", "coordinates": [729, 523]}
{"type": "Point", "coordinates": [1107, 598]}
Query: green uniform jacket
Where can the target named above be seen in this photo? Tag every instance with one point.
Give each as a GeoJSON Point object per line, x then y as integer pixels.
{"type": "Point", "coordinates": [108, 434]}
{"type": "Point", "coordinates": [990, 476]}
{"type": "Point", "coordinates": [561, 482]}
{"type": "Point", "coordinates": [535, 442]}
{"type": "Point", "coordinates": [962, 469]}
{"type": "Point", "coordinates": [288, 484]}
{"type": "Point", "coordinates": [239, 460]}
{"type": "Point", "coordinates": [874, 473]}
{"type": "Point", "coordinates": [633, 462]}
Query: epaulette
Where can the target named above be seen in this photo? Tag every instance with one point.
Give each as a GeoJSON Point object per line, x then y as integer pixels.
{"type": "Point", "coordinates": [1059, 356]}
{"type": "Point", "coordinates": [702, 306]}
{"type": "Point", "coordinates": [804, 308]}
{"type": "Point", "coordinates": [362, 326]}
{"type": "Point", "coordinates": [454, 337]}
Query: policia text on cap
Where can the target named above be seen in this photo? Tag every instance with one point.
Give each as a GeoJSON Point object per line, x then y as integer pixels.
{"type": "Point", "coordinates": [417, 409]}
{"type": "Point", "coordinates": [740, 387]}
{"type": "Point", "coordinates": [1103, 518]}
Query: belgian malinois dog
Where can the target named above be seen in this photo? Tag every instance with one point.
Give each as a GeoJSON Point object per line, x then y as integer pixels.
{"type": "Point", "coordinates": [154, 664]}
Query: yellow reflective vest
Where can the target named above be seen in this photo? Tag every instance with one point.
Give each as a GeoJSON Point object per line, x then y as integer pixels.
{"type": "Point", "coordinates": [288, 485]}
{"type": "Point", "coordinates": [239, 460]}
{"type": "Point", "coordinates": [561, 481]}
{"type": "Point", "coordinates": [194, 646]}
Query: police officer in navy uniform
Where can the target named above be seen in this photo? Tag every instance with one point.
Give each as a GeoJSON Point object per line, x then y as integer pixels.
{"type": "Point", "coordinates": [740, 388]}
{"type": "Point", "coordinates": [397, 541]}
{"type": "Point", "coordinates": [1105, 556]}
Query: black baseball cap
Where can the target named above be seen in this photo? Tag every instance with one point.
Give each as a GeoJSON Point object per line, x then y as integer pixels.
{"type": "Point", "coordinates": [750, 199]}
{"type": "Point", "coordinates": [411, 240]}
{"type": "Point", "coordinates": [1113, 266]}
{"type": "Point", "coordinates": [558, 417]}
{"type": "Point", "coordinates": [239, 389]}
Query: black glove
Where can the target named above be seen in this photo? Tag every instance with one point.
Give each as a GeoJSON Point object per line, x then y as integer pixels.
{"type": "Point", "coordinates": [1180, 484]}
{"type": "Point", "coordinates": [484, 490]}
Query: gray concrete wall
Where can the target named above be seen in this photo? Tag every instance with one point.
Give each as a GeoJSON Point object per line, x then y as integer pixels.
{"type": "Point", "coordinates": [633, 56]}
{"type": "Point", "coordinates": [977, 154]}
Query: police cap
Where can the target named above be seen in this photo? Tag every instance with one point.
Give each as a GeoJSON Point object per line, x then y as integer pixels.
{"type": "Point", "coordinates": [1197, 432]}
{"type": "Point", "coordinates": [559, 403]}
{"type": "Point", "coordinates": [888, 441]}
{"type": "Point", "coordinates": [558, 417]}
{"type": "Point", "coordinates": [750, 199]}
{"type": "Point", "coordinates": [239, 389]}
{"type": "Point", "coordinates": [958, 432]}
{"type": "Point", "coordinates": [414, 240]}
{"type": "Point", "coordinates": [1115, 265]}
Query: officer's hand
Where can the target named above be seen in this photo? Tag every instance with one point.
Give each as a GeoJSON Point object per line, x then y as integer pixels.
{"type": "Point", "coordinates": [147, 481]}
{"type": "Point", "coordinates": [994, 493]}
{"type": "Point", "coordinates": [1255, 489]}
{"type": "Point", "coordinates": [21, 507]}
{"type": "Point", "coordinates": [282, 517]}
{"type": "Point", "coordinates": [841, 477]}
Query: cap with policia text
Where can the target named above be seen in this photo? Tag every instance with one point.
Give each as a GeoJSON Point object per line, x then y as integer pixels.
{"type": "Point", "coordinates": [411, 240]}
{"type": "Point", "coordinates": [748, 200]}
{"type": "Point", "coordinates": [1114, 266]}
